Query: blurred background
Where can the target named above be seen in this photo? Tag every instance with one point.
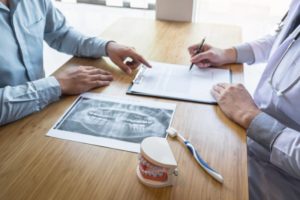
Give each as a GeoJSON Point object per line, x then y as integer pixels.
{"type": "Point", "coordinates": [256, 18]}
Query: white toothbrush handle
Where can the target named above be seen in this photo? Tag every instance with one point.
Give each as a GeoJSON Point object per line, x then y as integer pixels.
{"type": "Point", "coordinates": [202, 163]}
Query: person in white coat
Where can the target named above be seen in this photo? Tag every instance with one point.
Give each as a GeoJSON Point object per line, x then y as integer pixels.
{"type": "Point", "coordinates": [272, 118]}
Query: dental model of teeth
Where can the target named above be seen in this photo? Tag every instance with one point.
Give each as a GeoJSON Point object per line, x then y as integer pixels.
{"type": "Point", "coordinates": [157, 166]}
{"type": "Point", "coordinates": [151, 171]}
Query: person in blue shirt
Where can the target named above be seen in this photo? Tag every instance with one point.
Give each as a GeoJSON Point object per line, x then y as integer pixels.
{"type": "Point", "coordinates": [24, 89]}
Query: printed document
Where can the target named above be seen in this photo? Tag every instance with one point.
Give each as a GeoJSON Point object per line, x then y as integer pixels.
{"type": "Point", "coordinates": [177, 82]}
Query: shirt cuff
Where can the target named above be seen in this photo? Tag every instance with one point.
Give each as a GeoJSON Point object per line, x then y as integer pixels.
{"type": "Point", "coordinates": [245, 54]}
{"type": "Point", "coordinates": [264, 129]}
{"type": "Point", "coordinates": [93, 47]}
{"type": "Point", "coordinates": [106, 45]}
{"type": "Point", "coordinates": [100, 47]}
{"type": "Point", "coordinates": [48, 90]}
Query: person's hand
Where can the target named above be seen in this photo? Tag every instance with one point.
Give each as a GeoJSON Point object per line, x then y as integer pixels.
{"type": "Point", "coordinates": [211, 56]}
{"type": "Point", "coordinates": [76, 80]}
{"type": "Point", "coordinates": [235, 101]}
{"type": "Point", "coordinates": [119, 54]}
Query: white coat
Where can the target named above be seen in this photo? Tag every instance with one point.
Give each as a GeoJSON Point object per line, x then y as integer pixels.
{"type": "Point", "coordinates": [275, 174]}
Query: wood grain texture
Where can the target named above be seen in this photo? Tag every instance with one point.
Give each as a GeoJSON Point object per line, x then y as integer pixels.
{"type": "Point", "coordinates": [33, 166]}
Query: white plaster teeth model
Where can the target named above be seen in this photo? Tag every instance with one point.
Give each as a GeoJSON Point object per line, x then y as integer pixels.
{"type": "Point", "coordinates": [157, 165]}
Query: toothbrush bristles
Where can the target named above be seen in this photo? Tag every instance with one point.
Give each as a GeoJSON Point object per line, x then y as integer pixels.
{"type": "Point", "coordinates": [172, 132]}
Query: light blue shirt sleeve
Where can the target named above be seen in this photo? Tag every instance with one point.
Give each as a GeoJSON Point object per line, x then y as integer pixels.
{"type": "Point", "coordinates": [23, 86]}
{"type": "Point", "coordinates": [19, 101]}
{"type": "Point", "coordinates": [282, 142]}
{"type": "Point", "coordinates": [60, 36]}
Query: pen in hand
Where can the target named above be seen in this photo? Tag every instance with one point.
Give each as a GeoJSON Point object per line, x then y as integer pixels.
{"type": "Point", "coordinates": [198, 51]}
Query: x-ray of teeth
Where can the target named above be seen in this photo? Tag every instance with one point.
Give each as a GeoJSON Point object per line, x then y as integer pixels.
{"type": "Point", "coordinates": [121, 121]}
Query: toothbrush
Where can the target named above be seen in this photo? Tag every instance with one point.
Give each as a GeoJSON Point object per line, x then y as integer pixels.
{"type": "Point", "coordinates": [174, 133]}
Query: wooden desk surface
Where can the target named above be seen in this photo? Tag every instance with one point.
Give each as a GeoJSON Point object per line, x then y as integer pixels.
{"type": "Point", "coordinates": [33, 166]}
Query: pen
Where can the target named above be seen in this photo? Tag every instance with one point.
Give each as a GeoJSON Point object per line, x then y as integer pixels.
{"type": "Point", "coordinates": [198, 51]}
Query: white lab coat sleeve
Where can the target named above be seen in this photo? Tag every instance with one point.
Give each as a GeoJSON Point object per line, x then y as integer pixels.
{"type": "Point", "coordinates": [255, 51]}
{"type": "Point", "coordinates": [282, 142]}
{"type": "Point", "coordinates": [245, 54]}
{"type": "Point", "coordinates": [286, 152]}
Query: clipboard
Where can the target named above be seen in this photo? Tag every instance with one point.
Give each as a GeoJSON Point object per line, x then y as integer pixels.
{"type": "Point", "coordinates": [142, 76]}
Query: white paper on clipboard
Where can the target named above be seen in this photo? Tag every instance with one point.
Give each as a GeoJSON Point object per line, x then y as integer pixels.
{"type": "Point", "coordinates": [177, 82]}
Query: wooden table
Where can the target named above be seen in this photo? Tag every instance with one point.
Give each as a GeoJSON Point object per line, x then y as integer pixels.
{"type": "Point", "coordinates": [33, 166]}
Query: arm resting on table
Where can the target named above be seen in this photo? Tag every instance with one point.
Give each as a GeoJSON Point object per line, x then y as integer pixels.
{"type": "Point", "coordinates": [282, 142]}
{"type": "Point", "coordinates": [19, 101]}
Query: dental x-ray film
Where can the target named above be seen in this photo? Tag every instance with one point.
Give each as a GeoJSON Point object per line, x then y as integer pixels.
{"type": "Point", "coordinates": [113, 123]}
